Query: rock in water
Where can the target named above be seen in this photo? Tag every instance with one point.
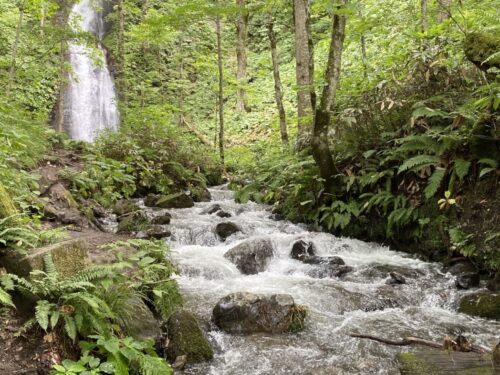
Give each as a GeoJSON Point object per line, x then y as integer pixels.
{"type": "Point", "coordinates": [179, 200]}
{"type": "Point", "coordinates": [301, 249]}
{"type": "Point", "coordinates": [329, 270]}
{"type": "Point", "coordinates": [123, 207]}
{"type": "Point", "coordinates": [157, 232]}
{"type": "Point", "coordinates": [187, 338]}
{"type": "Point", "coordinates": [395, 279]}
{"type": "Point", "coordinates": [251, 256]}
{"type": "Point", "coordinates": [250, 313]}
{"type": "Point", "coordinates": [224, 230]}
{"type": "Point", "coordinates": [223, 214]}
{"type": "Point", "coordinates": [483, 304]}
{"type": "Point", "coordinates": [494, 283]}
{"type": "Point", "coordinates": [466, 275]}
{"type": "Point", "coordinates": [212, 209]}
{"type": "Point", "coordinates": [162, 219]}
{"type": "Point", "coordinates": [133, 222]}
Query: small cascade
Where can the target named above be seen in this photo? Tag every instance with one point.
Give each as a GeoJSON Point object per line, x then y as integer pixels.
{"type": "Point", "coordinates": [90, 100]}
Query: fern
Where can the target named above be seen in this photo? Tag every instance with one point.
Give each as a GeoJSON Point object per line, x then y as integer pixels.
{"type": "Point", "coordinates": [418, 162]}
{"type": "Point", "coordinates": [434, 183]}
{"type": "Point", "coordinates": [5, 298]}
{"type": "Point", "coordinates": [42, 312]}
{"type": "Point", "coordinates": [461, 167]}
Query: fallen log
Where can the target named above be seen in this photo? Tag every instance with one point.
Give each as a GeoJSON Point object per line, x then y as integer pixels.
{"type": "Point", "coordinates": [459, 344]}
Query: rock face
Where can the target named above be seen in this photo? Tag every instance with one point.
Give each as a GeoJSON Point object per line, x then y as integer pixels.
{"type": "Point", "coordinates": [466, 275]}
{"type": "Point", "coordinates": [249, 313]}
{"type": "Point", "coordinates": [224, 230]}
{"type": "Point", "coordinates": [251, 256]}
{"type": "Point", "coordinates": [301, 249]}
{"type": "Point", "coordinates": [186, 338]}
{"type": "Point", "coordinates": [69, 258]}
{"type": "Point", "coordinates": [124, 206]}
{"type": "Point", "coordinates": [482, 304]}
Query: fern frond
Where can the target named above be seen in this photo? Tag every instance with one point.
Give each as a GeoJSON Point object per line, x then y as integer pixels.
{"type": "Point", "coordinates": [461, 168]}
{"type": "Point", "coordinates": [42, 312]}
{"type": "Point", "coordinates": [434, 183]}
{"type": "Point", "coordinates": [5, 298]}
{"type": "Point", "coordinates": [418, 162]}
{"type": "Point", "coordinates": [150, 365]}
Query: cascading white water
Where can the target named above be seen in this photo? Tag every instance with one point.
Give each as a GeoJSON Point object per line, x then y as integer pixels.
{"type": "Point", "coordinates": [360, 301]}
{"type": "Point", "coordinates": [90, 101]}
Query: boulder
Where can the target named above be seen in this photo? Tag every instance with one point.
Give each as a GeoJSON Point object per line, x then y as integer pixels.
{"type": "Point", "coordinates": [186, 338]}
{"type": "Point", "coordinates": [49, 175]}
{"type": "Point", "coordinates": [142, 324]}
{"type": "Point", "coordinates": [466, 275]}
{"type": "Point", "coordinates": [314, 259]}
{"type": "Point", "coordinates": [69, 258]}
{"type": "Point", "coordinates": [494, 283]}
{"type": "Point", "coordinates": [163, 219]}
{"type": "Point", "coordinates": [395, 279]}
{"type": "Point", "coordinates": [202, 196]}
{"type": "Point", "coordinates": [133, 222]}
{"type": "Point", "coordinates": [150, 200]}
{"type": "Point", "coordinates": [251, 256]}
{"type": "Point", "coordinates": [224, 230]}
{"type": "Point", "coordinates": [250, 313]}
{"type": "Point", "coordinates": [158, 232]}
{"type": "Point", "coordinates": [329, 270]}
{"type": "Point", "coordinates": [178, 200]}
{"type": "Point", "coordinates": [482, 304]}
{"type": "Point", "coordinates": [212, 209]}
{"type": "Point", "coordinates": [481, 48]}
{"type": "Point", "coordinates": [124, 206]}
{"type": "Point", "coordinates": [223, 214]}
{"type": "Point", "coordinates": [301, 248]}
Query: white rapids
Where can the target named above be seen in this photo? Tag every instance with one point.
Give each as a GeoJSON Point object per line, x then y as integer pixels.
{"type": "Point", "coordinates": [90, 100]}
{"type": "Point", "coordinates": [358, 302]}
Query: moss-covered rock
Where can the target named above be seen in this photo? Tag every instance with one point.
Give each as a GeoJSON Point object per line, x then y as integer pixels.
{"type": "Point", "coordinates": [482, 304]}
{"type": "Point", "coordinates": [480, 47]}
{"type": "Point", "coordinates": [6, 205]}
{"type": "Point", "coordinates": [124, 206]}
{"type": "Point", "coordinates": [187, 338]}
{"type": "Point", "coordinates": [179, 200]}
{"type": "Point", "coordinates": [69, 258]}
{"type": "Point", "coordinates": [133, 222]}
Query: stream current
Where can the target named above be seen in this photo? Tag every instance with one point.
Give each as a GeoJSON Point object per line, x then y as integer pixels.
{"type": "Point", "coordinates": [360, 301]}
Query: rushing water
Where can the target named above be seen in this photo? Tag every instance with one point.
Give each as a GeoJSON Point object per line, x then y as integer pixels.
{"type": "Point", "coordinates": [359, 302]}
{"type": "Point", "coordinates": [90, 101]}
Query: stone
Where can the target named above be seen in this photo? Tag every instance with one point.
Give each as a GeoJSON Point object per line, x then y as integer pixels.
{"type": "Point", "coordinates": [178, 200]}
{"type": "Point", "coordinates": [69, 258]}
{"type": "Point", "coordinates": [212, 209]}
{"type": "Point", "coordinates": [466, 275]}
{"type": "Point", "coordinates": [482, 304]}
{"type": "Point", "coordinates": [142, 324]}
{"type": "Point", "coordinates": [49, 175]}
{"type": "Point", "coordinates": [150, 200]}
{"type": "Point", "coordinates": [163, 219]}
{"type": "Point", "coordinates": [179, 363]}
{"type": "Point", "coordinates": [494, 283]}
{"type": "Point", "coordinates": [251, 256]}
{"type": "Point", "coordinates": [186, 338]}
{"type": "Point", "coordinates": [302, 248]}
{"type": "Point", "coordinates": [481, 49]}
{"type": "Point", "coordinates": [158, 232]}
{"type": "Point", "coordinates": [133, 222]}
{"type": "Point", "coordinates": [329, 270]}
{"type": "Point", "coordinates": [223, 214]}
{"type": "Point", "coordinates": [124, 206]}
{"type": "Point", "coordinates": [204, 196]}
{"type": "Point", "coordinates": [395, 279]}
{"type": "Point", "coordinates": [314, 259]}
{"type": "Point", "coordinates": [224, 230]}
{"type": "Point", "coordinates": [246, 313]}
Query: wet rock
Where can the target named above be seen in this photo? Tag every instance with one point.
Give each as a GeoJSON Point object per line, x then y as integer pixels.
{"type": "Point", "coordinates": [179, 363]}
{"type": "Point", "coordinates": [186, 338]}
{"type": "Point", "coordinates": [329, 270]}
{"type": "Point", "coordinates": [395, 279]}
{"type": "Point", "coordinates": [133, 222]}
{"type": "Point", "coordinates": [205, 196]}
{"type": "Point", "coordinates": [494, 283]}
{"type": "Point", "coordinates": [98, 211]}
{"type": "Point", "coordinates": [143, 325]}
{"type": "Point", "coordinates": [301, 248]}
{"type": "Point", "coordinates": [178, 200]}
{"type": "Point", "coordinates": [212, 209]}
{"type": "Point", "coordinates": [382, 270]}
{"type": "Point", "coordinates": [163, 219]}
{"type": "Point", "coordinates": [124, 206]}
{"type": "Point", "coordinates": [249, 313]}
{"type": "Point", "coordinates": [314, 259]}
{"type": "Point", "coordinates": [466, 275]}
{"type": "Point", "coordinates": [158, 232]}
{"type": "Point", "coordinates": [224, 230]}
{"type": "Point", "coordinates": [251, 256]}
{"type": "Point", "coordinates": [276, 217]}
{"type": "Point", "coordinates": [151, 199]}
{"type": "Point", "coordinates": [482, 304]}
{"type": "Point", "coordinates": [223, 214]}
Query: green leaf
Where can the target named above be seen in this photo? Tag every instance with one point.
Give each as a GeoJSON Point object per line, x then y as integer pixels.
{"type": "Point", "coordinates": [418, 162]}
{"type": "Point", "coordinates": [461, 168]}
{"type": "Point", "coordinates": [434, 183]}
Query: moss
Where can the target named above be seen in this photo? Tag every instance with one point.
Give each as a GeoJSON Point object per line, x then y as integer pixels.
{"type": "Point", "coordinates": [7, 207]}
{"type": "Point", "coordinates": [166, 298]}
{"type": "Point", "coordinates": [133, 222]}
{"type": "Point", "coordinates": [484, 304]}
{"type": "Point", "coordinates": [409, 364]}
{"type": "Point", "coordinates": [187, 338]}
{"type": "Point", "coordinates": [481, 46]}
{"type": "Point", "coordinates": [178, 200]}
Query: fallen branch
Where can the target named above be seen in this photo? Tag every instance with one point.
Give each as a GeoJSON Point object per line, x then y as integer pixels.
{"type": "Point", "coordinates": [196, 132]}
{"type": "Point", "coordinates": [460, 344]}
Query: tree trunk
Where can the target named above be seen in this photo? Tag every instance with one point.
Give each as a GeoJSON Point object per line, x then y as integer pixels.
{"type": "Point", "coordinates": [241, 56]}
{"type": "Point", "coordinates": [121, 47]}
{"type": "Point", "coordinates": [12, 69]}
{"type": "Point", "coordinates": [423, 15]}
{"type": "Point", "coordinates": [278, 94]}
{"type": "Point", "coordinates": [304, 72]}
{"type": "Point", "coordinates": [221, 89]}
{"type": "Point", "coordinates": [444, 10]}
{"type": "Point", "coordinates": [320, 147]}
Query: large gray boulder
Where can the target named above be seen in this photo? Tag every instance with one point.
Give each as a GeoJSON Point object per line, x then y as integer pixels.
{"type": "Point", "coordinates": [251, 256]}
{"type": "Point", "coordinates": [250, 313]}
{"type": "Point", "coordinates": [226, 229]}
{"type": "Point", "coordinates": [466, 275]}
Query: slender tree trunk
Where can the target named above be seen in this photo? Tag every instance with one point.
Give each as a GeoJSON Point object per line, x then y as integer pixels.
{"type": "Point", "coordinates": [362, 41]}
{"type": "Point", "coordinates": [320, 147]}
{"type": "Point", "coordinates": [62, 86]}
{"type": "Point", "coordinates": [121, 47]}
{"type": "Point", "coordinates": [304, 72]}
{"type": "Point", "coordinates": [15, 46]}
{"type": "Point", "coordinates": [278, 94]}
{"type": "Point", "coordinates": [423, 15]}
{"type": "Point", "coordinates": [444, 10]}
{"type": "Point", "coordinates": [241, 56]}
{"type": "Point", "coordinates": [221, 89]}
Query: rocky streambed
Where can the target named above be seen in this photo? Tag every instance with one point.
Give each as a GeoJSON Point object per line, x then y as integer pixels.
{"type": "Point", "coordinates": [259, 273]}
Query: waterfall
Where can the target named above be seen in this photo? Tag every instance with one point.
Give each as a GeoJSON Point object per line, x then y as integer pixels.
{"type": "Point", "coordinates": [90, 100]}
